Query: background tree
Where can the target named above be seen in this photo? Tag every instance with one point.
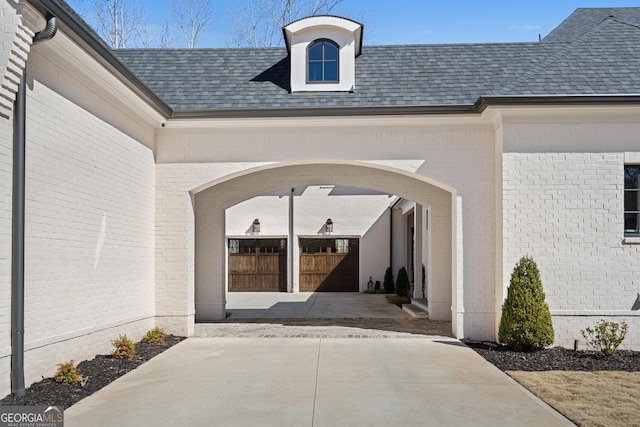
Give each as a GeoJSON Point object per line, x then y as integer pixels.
{"type": "Point", "coordinates": [258, 23]}
{"type": "Point", "coordinates": [118, 22]}
{"type": "Point", "coordinates": [192, 18]}
{"type": "Point", "coordinates": [526, 321]}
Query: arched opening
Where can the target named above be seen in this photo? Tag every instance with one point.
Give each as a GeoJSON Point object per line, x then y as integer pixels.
{"type": "Point", "coordinates": [212, 199]}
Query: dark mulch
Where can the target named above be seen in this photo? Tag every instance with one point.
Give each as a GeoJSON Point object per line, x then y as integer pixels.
{"type": "Point", "coordinates": [556, 359]}
{"type": "Point", "coordinates": [97, 372]}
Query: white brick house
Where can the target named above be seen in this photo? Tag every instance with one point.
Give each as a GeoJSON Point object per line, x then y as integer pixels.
{"type": "Point", "coordinates": [146, 170]}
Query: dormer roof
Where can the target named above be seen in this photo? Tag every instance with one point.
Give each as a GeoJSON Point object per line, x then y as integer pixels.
{"type": "Point", "coordinates": [326, 21]}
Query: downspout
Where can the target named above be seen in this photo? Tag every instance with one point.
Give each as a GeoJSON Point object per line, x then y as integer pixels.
{"type": "Point", "coordinates": [17, 263]}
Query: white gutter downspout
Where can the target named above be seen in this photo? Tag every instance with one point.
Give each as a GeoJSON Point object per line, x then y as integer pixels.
{"type": "Point", "coordinates": [17, 259]}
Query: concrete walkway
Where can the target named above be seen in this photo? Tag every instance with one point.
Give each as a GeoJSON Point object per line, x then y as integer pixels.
{"type": "Point", "coordinates": [305, 305]}
{"type": "Point", "coordinates": [384, 371]}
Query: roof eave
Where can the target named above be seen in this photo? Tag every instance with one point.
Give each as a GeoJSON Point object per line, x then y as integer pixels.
{"type": "Point", "coordinates": [554, 100]}
{"type": "Point", "coordinates": [77, 31]}
{"type": "Point", "coordinates": [324, 112]}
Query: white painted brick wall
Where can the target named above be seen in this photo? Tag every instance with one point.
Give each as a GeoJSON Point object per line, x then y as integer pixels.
{"type": "Point", "coordinates": [174, 234]}
{"type": "Point", "coordinates": [565, 208]}
{"type": "Point", "coordinates": [461, 159]}
{"type": "Point", "coordinates": [90, 213]}
{"type": "Point", "coordinates": [6, 161]}
{"type": "Point", "coordinates": [17, 26]}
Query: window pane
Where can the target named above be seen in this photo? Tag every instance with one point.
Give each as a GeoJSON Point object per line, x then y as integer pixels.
{"type": "Point", "coordinates": [631, 177]}
{"type": "Point", "coordinates": [315, 52]}
{"type": "Point", "coordinates": [234, 246]}
{"type": "Point", "coordinates": [630, 201]}
{"type": "Point", "coordinates": [315, 71]}
{"type": "Point", "coordinates": [331, 71]}
{"type": "Point", "coordinates": [631, 223]}
{"type": "Point", "coordinates": [330, 52]}
{"type": "Point", "coordinates": [342, 246]}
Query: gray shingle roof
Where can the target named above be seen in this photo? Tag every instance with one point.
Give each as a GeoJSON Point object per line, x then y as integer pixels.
{"type": "Point", "coordinates": [591, 53]}
{"type": "Point", "coordinates": [583, 20]}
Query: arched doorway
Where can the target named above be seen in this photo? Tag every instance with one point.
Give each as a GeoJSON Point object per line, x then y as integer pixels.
{"type": "Point", "coordinates": [211, 200]}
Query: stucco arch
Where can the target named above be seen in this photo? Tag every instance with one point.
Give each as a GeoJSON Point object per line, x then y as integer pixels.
{"type": "Point", "coordinates": [211, 200]}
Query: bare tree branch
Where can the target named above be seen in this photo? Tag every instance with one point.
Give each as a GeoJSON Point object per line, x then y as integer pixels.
{"type": "Point", "coordinates": [193, 17]}
{"type": "Point", "coordinates": [117, 21]}
{"type": "Point", "coordinates": [258, 23]}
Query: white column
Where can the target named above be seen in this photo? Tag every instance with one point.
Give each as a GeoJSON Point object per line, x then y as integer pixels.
{"type": "Point", "coordinates": [418, 229]}
{"type": "Point", "coordinates": [290, 240]}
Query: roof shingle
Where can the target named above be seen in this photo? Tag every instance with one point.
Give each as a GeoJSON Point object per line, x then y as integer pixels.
{"type": "Point", "coordinates": [590, 53]}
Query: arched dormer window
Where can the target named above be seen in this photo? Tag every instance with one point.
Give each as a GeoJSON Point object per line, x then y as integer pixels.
{"type": "Point", "coordinates": [322, 62]}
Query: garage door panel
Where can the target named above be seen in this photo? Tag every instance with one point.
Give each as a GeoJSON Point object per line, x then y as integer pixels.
{"type": "Point", "coordinates": [242, 264]}
{"type": "Point", "coordinates": [312, 263]}
{"type": "Point", "coordinates": [268, 264]}
{"type": "Point", "coordinates": [329, 265]}
{"type": "Point", "coordinates": [257, 265]}
{"type": "Point", "coordinates": [311, 282]}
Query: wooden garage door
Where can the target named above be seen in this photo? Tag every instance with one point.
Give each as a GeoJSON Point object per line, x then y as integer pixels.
{"type": "Point", "coordinates": [257, 265]}
{"type": "Point", "coordinates": [329, 265]}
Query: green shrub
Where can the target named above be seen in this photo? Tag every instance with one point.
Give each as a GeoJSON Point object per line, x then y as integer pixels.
{"type": "Point", "coordinates": [124, 348]}
{"type": "Point", "coordinates": [68, 373]}
{"type": "Point", "coordinates": [155, 336]}
{"type": "Point", "coordinates": [605, 336]}
{"type": "Point", "coordinates": [526, 321]}
{"type": "Point", "coordinates": [398, 300]}
{"type": "Point", "coordinates": [402, 283]}
{"type": "Point", "coordinates": [389, 286]}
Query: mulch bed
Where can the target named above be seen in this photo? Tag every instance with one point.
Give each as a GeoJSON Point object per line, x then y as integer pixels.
{"type": "Point", "coordinates": [556, 359]}
{"type": "Point", "coordinates": [98, 372]}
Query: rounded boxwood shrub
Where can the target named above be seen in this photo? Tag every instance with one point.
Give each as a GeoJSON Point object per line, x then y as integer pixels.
{"type": "Point", "coordinates": [388, 284]}
{"type": "Point", "coordinates": [402, 284]}
{"type": "Point", "coordinates": [526, 321]}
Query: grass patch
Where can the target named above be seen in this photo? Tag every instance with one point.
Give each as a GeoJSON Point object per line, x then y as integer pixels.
{"type": "Point", "coordinates": [228, 314]}
{"type": "Point", "coordinates": [398, 300]}
{"type": "Point", "coordinates": [600, 398]}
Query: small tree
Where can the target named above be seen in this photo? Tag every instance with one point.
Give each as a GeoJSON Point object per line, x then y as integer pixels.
{"type": "Point", "coordinates": [402, 284]}
{"type": "Point", "coordinates": [389, 286]}
{"type": "Point", "coordinates": [526, 321]}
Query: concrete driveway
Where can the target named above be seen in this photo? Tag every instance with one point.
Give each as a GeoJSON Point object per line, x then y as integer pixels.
{"type": "Point", "coordinates": [273, 374]}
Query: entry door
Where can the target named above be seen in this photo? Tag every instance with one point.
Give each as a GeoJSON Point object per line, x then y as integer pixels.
{"type": "Point", "coordinates": [329, 265]}
{"type": "Point", "coordinates": [257, 265]}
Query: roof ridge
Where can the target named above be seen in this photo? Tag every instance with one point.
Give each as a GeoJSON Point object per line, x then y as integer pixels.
{"type": "Point", "coordinates": [631, 24]}
{"type": "Point", "coordinates": [563, 48]}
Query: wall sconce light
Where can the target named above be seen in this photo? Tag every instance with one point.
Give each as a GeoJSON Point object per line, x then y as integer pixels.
{"type": "Point", "coordinates": [256, 225]}
{"type": "Point", "coordinates": [328, 226]}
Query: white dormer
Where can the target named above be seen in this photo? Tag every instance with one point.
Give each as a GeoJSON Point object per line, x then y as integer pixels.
{"type": "Point", "coordinates": [323, 51]}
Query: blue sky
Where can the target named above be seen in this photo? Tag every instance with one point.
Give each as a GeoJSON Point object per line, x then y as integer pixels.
{"type": "Point", "coordinates": [422, 21]}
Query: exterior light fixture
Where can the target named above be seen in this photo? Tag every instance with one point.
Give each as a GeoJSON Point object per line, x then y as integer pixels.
{"type": "Point", "coordinates": [256, 225]}
{"type": "Point", "coordinates": [328, 226]}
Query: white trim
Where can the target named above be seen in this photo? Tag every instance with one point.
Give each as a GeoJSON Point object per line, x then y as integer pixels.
{"type": "Point", "coordinates": [594, 313]}
{"type": "Point", "coordinates": [632, 158]}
